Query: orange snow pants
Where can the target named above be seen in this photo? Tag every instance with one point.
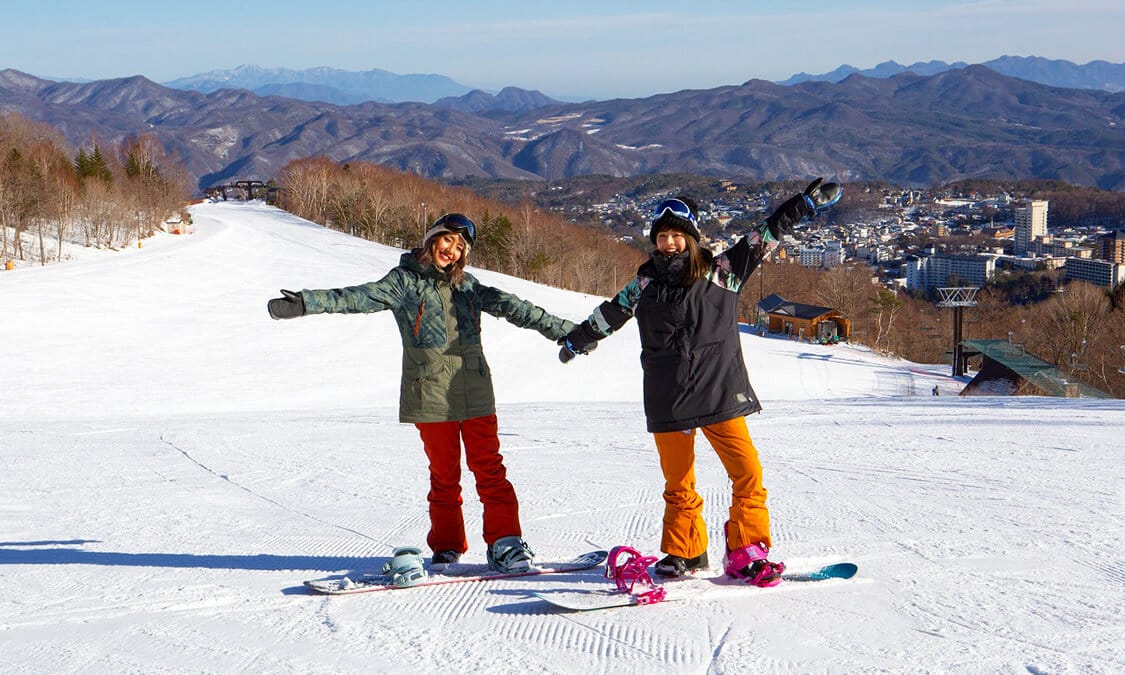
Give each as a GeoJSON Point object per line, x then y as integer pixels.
{"type": "Point", "coordinates": [685, 532]}
{"type": "Point", "coordinates": [442, 441]}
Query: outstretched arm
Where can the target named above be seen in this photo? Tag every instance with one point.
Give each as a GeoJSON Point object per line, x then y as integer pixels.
{"type": "Point", "coordinates": [522, 313]}
{"type": "Point", "coordinates": [372, 297]}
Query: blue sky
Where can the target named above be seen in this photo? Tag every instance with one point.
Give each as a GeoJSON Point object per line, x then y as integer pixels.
{"type": "Point", "coordinates": [567, 49]}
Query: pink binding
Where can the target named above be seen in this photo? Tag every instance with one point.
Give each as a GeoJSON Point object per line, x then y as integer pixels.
{"type": "Point", "coordinates": [744, 557]}
{"type": "Point", "coordinates": [630, 572]}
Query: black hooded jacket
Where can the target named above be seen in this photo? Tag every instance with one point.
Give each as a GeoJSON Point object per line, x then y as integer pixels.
{"type": "Point", "coordinates": [691, 354]}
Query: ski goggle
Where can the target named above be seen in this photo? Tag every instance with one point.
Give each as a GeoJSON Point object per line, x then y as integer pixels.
{"type": "Point", "coordinates": [455, 222]}
{"type": "Point", "coordinates": [677, 208]}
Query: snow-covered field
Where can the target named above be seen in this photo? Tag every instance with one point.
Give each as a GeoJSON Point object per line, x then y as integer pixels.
{"type": "Point", "coordinates": [173, 463]}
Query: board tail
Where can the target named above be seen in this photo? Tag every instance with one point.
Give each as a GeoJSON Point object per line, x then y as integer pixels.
{"type": "Point", "coordinates": [844, 570]}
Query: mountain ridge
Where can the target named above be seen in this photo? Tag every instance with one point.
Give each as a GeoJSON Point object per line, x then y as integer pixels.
{"type": "Point", "coordinates": [907, 129]}
{"type": "Point", "coordinates": [345, 87]}
{"type": "Point", "coordinates": [322, 83]}
{"type": "Point", "coordinates": [1101, 75]}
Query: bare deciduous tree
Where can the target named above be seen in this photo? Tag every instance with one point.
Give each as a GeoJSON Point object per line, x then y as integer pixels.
{"type": "Point", "coordinates": [884, 307]}
{"type": "Point", "coordinates": [396, 208]}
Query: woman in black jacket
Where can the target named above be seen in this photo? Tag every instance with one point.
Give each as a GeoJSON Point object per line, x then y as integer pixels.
{"type": "Point", "coordinates": [686, 304]}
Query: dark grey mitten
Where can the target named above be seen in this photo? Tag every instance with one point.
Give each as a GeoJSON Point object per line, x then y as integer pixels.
{"type": "Point", "coordinates": [290, 306]}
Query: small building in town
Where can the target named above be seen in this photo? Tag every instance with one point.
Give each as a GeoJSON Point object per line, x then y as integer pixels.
{"type": "Point", "coordinates": [801, 321]}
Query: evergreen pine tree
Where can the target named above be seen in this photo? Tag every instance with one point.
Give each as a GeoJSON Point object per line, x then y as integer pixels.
{"type": "Point", "coordinates": [133, 167]}
{"type": "Point", "coordinates": [99, 167]}
{"type": "Point", "coordinates": [82, 164]}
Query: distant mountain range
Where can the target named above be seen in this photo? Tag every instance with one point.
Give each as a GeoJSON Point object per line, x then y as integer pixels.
{"type": "Point", "coordinates": [1056, 73]}
{"type": "Point", "coordinates": [343, 87]}
{"type": "Point", "coordinates": [907, 129]}
{"type": "Point", "coordinates": [510, 99]}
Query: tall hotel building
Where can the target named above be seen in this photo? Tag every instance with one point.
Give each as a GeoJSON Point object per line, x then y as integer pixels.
{"type": "Point", "coordinates": [1031, 222]}
{"type": "Point", "coordinates": [1113, 247]}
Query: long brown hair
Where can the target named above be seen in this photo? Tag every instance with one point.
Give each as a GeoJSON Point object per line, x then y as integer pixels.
{"type": "Point", "coordinates": [425, 256]}
{"type": "Point", "coordinates": [699, 262]}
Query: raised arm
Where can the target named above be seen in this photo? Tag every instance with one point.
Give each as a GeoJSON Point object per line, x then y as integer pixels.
{"type": "Point", "coordinates": [740, 260]}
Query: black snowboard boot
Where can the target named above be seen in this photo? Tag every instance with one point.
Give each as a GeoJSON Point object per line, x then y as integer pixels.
{"type": "Point", "coordinates": [443, 559]}
{"type": "Point", "coordinates": [675, 566]}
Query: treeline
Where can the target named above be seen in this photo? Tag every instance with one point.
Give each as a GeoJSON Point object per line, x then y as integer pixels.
{"type": "Point", "coordinates": [100, 196]}
{"type": "Point", "coordinates": [396, 208]}
{"type": "Point", "coordinates": [1080, 328]}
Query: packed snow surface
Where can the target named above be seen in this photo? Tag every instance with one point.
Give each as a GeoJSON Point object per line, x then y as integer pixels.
{"type": "Point", "coordinates": [173, 463]}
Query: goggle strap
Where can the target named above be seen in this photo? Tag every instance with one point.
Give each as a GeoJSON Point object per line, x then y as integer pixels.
{"type": "Point", "coordinates": [677, 208]}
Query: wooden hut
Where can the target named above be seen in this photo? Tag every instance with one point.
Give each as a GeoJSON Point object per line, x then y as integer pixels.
{"type": "Point", "coordinates": [804, 322]}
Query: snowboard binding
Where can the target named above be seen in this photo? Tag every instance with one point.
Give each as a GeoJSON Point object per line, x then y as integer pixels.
{"type": "Point", "coordinates": [629, 569]}
{"type": "Point", "coordinates": [406, 567]}
{"type": "Point", "coordinates": [749, 565]}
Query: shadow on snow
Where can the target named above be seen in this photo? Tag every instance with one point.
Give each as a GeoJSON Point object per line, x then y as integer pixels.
{"type": "Point", "coordinates": [49, 553]}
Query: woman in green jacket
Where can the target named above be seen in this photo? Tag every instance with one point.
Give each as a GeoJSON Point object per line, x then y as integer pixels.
{"type": "Point", "coordinates": [446, 389]}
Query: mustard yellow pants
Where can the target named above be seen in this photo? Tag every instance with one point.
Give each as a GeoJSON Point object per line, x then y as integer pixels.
{"type": "Point", "coordinates": [685, 532]}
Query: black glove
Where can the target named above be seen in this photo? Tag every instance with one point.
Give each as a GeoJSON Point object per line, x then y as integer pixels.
{"type": "Point", "coordinates": [816, 197]}
{"type": "Point", "coordinates": [582, 340]}
{"type": "Point", "coordinates": [289, 307]}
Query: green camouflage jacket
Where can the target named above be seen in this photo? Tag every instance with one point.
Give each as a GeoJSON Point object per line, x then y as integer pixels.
{"type": "Point", "coordinates": [445, 376]}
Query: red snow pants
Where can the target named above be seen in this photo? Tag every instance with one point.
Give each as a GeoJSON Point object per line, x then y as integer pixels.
{"type": "Point", "coordinates": [685, 532]}
{"type": "Point", "coordinates": [442, 441]}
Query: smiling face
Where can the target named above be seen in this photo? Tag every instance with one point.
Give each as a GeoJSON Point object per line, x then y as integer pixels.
{"type": "Point", "coordinates": [447, 249]}
{"type": "Point", "coordinates": [671, 242]}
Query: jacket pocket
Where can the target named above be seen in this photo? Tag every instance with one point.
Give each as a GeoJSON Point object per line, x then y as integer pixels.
{"type": "Point", "coordinates": [475, 363]}
{"type": "Point", "coordinates": [479, 396]}
{"type": "Point", "coordinates": [420, 385]}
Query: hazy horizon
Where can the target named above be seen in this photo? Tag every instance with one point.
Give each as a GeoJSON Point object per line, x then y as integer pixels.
{"type": "Point", "coordinates": [563, 51]}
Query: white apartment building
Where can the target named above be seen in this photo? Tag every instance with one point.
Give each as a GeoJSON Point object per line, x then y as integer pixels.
{"type": "Point", "coordinates": [811, 256]}
{"type": "Point", "coordinates": [1031, 222]}
{"type": "Point", "coordinates": [874, 254]}
{"type": "Point", "coordinates": [826, 255]}
{"type": "Point", "coordinates": [935, 271]}
{"type": "Point", "coordinates": [1060, 247]}
{"type": "Point", "coordinates": [1097, 272]}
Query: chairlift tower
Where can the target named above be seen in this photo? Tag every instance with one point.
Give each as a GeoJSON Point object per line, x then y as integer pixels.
{"type": "Point", "coordinates": [958, 299]}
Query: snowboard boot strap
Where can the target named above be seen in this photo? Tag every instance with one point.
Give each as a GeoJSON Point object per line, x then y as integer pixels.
{"type": "Point", "coordinates": [510, 554]}
{"type": "Point", "coordinates": [628, 568]}
{"type": "Point", "coordinates": [749, 564]}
